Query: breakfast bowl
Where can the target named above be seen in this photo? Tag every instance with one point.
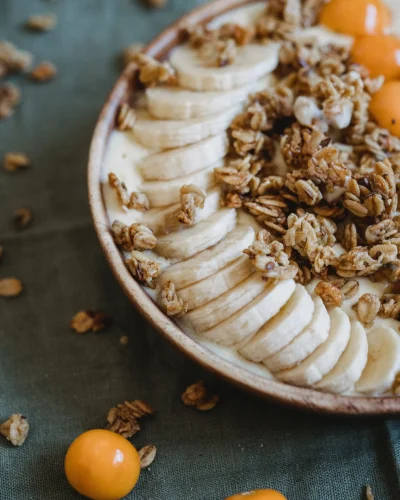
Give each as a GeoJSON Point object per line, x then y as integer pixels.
{"type": "Point", "coordinates": [314, 394]}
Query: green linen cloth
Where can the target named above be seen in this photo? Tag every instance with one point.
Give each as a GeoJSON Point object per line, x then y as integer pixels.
{"type": "Point", "coordinates": [66, 383]}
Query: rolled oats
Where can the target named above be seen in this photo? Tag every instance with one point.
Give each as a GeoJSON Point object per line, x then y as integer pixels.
{"type": "Point", "coordinates": [368, 308]}
{"type": "Point", "coordinates": [123, 419]}
{"type": "Point", "coordinates": [152, 72]}
{"type": "Point", "coordinates": [134, 200]}
{"type": "Point", "coordinates": [126, 117]}
{"type": "Point", "coordinates": [390, 306]}
{"type": "Point", "coordinates": [145, 269]}
{"type": "Point", "coordinates": [350, 237]}
{"type": "Point", "coordinates": [329, 293]}
{"type": "Point", "coordinates": [171, 302]}
{"type": "Point", "coordinates": [134, 237]}
{"type": "Point", "coordinates": [147, 455]}
{"type": "Point", "coordinates": [10, 97]}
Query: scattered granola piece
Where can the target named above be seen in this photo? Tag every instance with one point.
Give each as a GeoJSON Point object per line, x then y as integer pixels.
{"type": "Point", "coordinates": [10, 97]}
{"type": "Point", "coordinates": [126, 117]}
{"type": "Point", "coordinates": [368, 491]}
{"type": "Point", "coordinates": [15, 161]}
{"type": "Point", "coordinates": [23, 218]}
{"type": "Point", "coordinates": [171, 302]}
{"type": "Point", "coordinates": [330, 294]}
{"type": "Point", "coordinates": [12, 59]}
{"type": "Point", "coordinates": [134, 237]}
{"type": "Point", "coordinates": [123, 419]}
{"type": "Point", "coordinates": [156, 4]}
{"type": "Point", "coordinates": [147, 454]}
{"type": "Point", "coordinates": [152, 72]}
{"type": "Point", "coordinates": [129, 53]}
{"type": "Point", "coordinates": [368, 308]}
{"type": "Point", "coordinates": [15, 429]}
{"type": "Point", "coordinates": [143, 268]}
{"type": "Point", "coordinates": [43, 22]}
{"type": "Point", "coordinates": [124, 340]}
{"type": "Point", "coordinates": [192, 200]}
{"type": "Point", "coordinates": [198, 396]}
{"type": "Point", "coordinates": [10, 287]}
{"type": "Point", "coordinates": [44, 72]}
{"type": "Point", "coordinates": [85, 321]}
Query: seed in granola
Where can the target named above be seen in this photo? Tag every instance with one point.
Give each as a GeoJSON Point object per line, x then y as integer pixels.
{"type": "Point", "coordinates": [147, 454]}
{"type": "Point", "coordinates": [15, 161]}
{"type": "Point", "coordinates": [330, 294]}
{"type": "Point", "coordinates": [44, 22]}
{"type": "Point", "coordinates": [10, 287]}
{"type": "Point", "coordinates": [10, 97]}
{"type": "Point", "coordinates": [89, 320]}
{"type": "Point", "coordinates": [126, 117]}
{"type": "Point", "coordinates": [171, 302]}
{"type": "Point", "coordinates": [23, 218]}
{"type": "Point", "coordinates": [368, 308]}
{"type": "Point", "coordinates": [198, 396]}
{"type": "Point", "coordinates": [44, 72]}
{"type": "Point", "coordinates": [15, 429]}
{"type": "Point", "coordinates": [123, 419]}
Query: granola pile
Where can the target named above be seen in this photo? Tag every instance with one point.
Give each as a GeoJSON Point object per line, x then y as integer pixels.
{"type": "Point", "coordinates": [310, 164]}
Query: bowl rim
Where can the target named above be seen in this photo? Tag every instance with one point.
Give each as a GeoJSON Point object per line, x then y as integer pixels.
{"type": "Point", "coordinates": [286, 395]}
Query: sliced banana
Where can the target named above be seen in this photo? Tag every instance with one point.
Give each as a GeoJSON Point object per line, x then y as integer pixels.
{"type": "Point", "coordinates": [164, 193]}
{"type": "Point", "coordinates": [217, 284]}
{"type": "Point", "coordinates": [351, 364]}
{"type": "Point", "coordinates": [167, 134]}
{"type": "Point", "coordinates": [313, 335]}
{"type": "Point", "coordinates": [282, 328]}
{"type": "Point", "coordinates": [322, 360]}
{"type": "Point", "coordinates": [383, 361]}
{"type": "Point", "coordinates": [160, 219]}
{"type": "Point", "coordinates": [210, 261]}
{"type": "Point", "coordinates": [244, 323]}
{"type": "Point", "coordinates": [173, 103]}
{"type": "Point", "coordinates": [188, 242]}
{"type": "Point", "coordinates": [184, 161]}
{"type": "Point", "coordinates": [252, 62]}
{"type": "Point", "coordinates": [225, 305]}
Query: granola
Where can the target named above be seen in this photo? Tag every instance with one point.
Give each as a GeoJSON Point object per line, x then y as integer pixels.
{"type": "Point", "coordinates": [89, 320]}
{"type": "Point", "coordinates": [126, 117]}
{"type": "Point", "coordinates": [368, 307]}
{"type": "Point", "coordinates": [44, 72]}
{"type": "Point", "coordinates": [198, 396]}
{"type": "Point", "coordinates": [12, 59]}
{"type": "Point", "coordinates": [23, 218]}
{"type": "Point", "coordinates": [145, 269]}
{"type": "Point", "coordinates": [15, 429]}
{"type": "Point", "coordinates": [152, 72]}
{"type": "Point", "coordinates": [10, 287]}
{"type": "Point", "coordinates": [41, 22]}
{"type": "Point", "coordinates": [10, 97]}
{"type": "Point", "coordinates": [134, 237]}
{"type": "Point", "coordinates": [171, 302]}
{"type": "Point", "coordinates": [16, 161]}
{"type": "Point", "coordinates": [192, 201]}
{"type": "Point", "coordinates": [147, 455]}
{"type": "Point", "coordinates": [124, 418]}
{"type": "Point", "coordinates": [331, 295]}
{"type": "Point", "coordinates": [137, 201]}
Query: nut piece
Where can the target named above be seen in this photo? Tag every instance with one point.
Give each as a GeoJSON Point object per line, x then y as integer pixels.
{"type": "Point", "coordinates": [44, 22]}
{"type": "Point", "coordinates": [123, 419]}
{"type": "Point", "coordinates": [23, 218]}
{"type": "Point", "coordinates": [134, 237]}
{"type": "Point", "coordinates": [44, 72]}
{"type": "Point", "coordinates": [10, 287]}
{"type": "Point", "coordinates": [126, 117]}
{"type": "Point", "coordinates": [15, 429]}
{"type": "Point", "coordinates": [198, 396]}
{"type": "Point", "coordinates": [147, 454]}
{"type": "Point", "coordinates": [368, 308]}
{"type": "Point", "coordinates": [330, 294]}
{"type": "Point", "coordinates": [171, 302]}
{"type": "Point", "coordinates": [15, 161]}
{"type": "Point", "coordinates": [84, 321]}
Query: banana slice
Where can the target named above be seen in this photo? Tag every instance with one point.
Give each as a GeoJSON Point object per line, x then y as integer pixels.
{"type": "Point", "coordinates": [210, 261]}
{"type": "Point", "coordinates": [160, 219]}
{"type": "Point", "coordinates": [225, 305]}
{"type": "Point", "coordinates": [323, 359]}
{"type": "Point", "coordinates": [173, 103]}
{"type": "Point", "coordinates": [244, 323]}
{"type": "Point", "coordinates": [184, 161]}
{"type": "Point", "coordinates": [164, 193]}
{"type": "Point", "coordinates": [383, 361]}
{"type": "Point", "coordinates": [313, 335]}
{"type": "Point", "coordinates": [167, 134]}
{"type": "Point", "coordinates": [217, 284]}
{"type": "Point", "coordinates": [282, 328]}
{"type": "Point", "coordinates": [351, 364]}
{"type": "Point", "coordinates": [188, 242]}
{"type": "Point", "coordinates": [252, 62]}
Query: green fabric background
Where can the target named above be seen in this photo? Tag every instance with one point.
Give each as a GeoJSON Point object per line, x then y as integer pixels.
{"type": "Point", "coordinates": [66, 383]}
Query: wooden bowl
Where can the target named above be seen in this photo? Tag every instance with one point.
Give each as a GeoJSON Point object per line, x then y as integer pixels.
{"type": "Point", "coordinates": [281, 393]}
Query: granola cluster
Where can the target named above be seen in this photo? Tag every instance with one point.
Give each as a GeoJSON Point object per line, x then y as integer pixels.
{"type": "Point", "coordinates": [153, 72]}
{"type": "Point", "coordinates": [192, 201]}
{"type": "Point", "coordinates": [171, 302]}
{"type": "Point", "coordinates": [134, 200]}
{"type": "Point", "coordinates": [124, 418]}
